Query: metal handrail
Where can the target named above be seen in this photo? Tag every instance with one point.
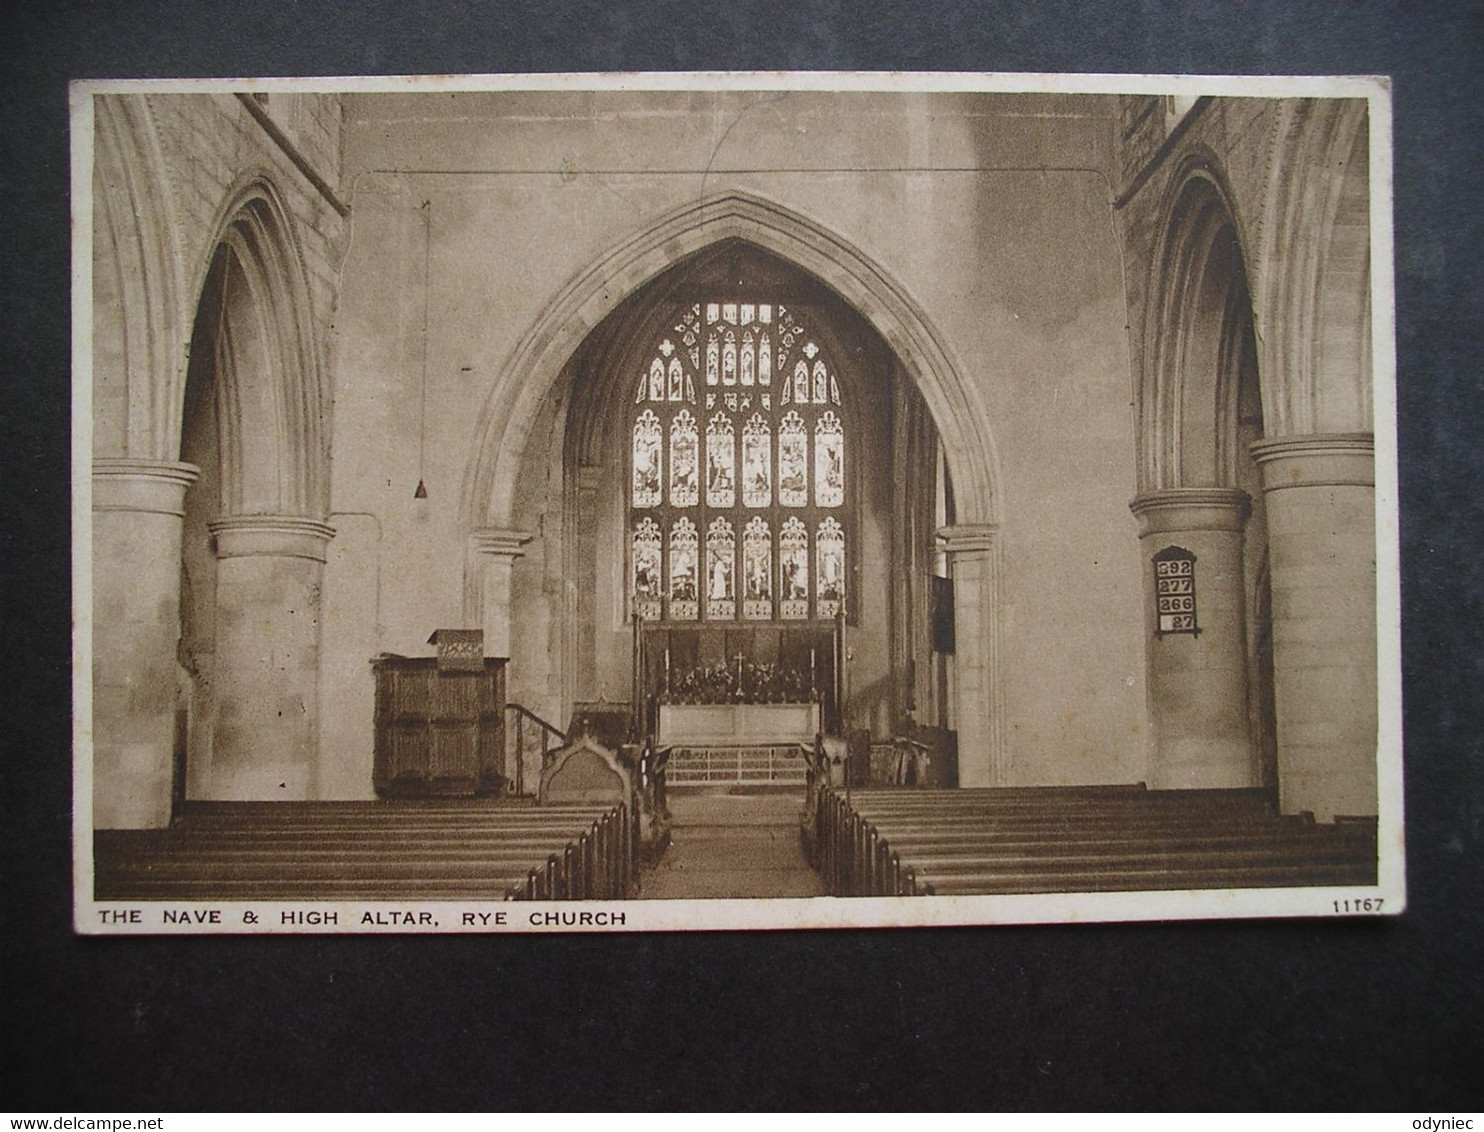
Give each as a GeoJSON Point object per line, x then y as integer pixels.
{"type": "Point", "coordinates": [529, 714]}
{"type": "Point", "coordinates": [522, 713]}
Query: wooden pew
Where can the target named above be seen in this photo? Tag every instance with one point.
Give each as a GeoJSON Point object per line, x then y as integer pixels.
{"type": "Point", "coordinates": [384, 850]}
{"type": "Point", "coordinates": [1061, 839]}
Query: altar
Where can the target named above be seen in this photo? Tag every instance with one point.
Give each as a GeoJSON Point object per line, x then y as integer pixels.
{"type": "Point", "coordinates": [738, 725]}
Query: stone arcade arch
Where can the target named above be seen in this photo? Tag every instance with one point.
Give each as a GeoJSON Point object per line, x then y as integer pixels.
{"type": "Point", "coordinates": [254, 537]}
{"type": "Point", "coordinates": [248, 542]}
{"type": "Point", "coordinates": [529, 379]}
{"type": "Point", "coordinates": [1209, 685]}
{"type": "Point", "coordinates": [1290, 590]}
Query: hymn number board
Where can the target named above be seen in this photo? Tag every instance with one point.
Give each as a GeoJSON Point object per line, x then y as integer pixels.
{"type": "Point", "coordinates": [1174, 591]}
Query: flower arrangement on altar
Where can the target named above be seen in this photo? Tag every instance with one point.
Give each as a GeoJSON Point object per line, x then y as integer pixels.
{"type": "Point", "coordinates": [738, 681]}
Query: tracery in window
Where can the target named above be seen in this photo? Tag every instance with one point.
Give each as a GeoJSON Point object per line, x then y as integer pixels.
{"type": "Point", "coordinates": [710, 537]}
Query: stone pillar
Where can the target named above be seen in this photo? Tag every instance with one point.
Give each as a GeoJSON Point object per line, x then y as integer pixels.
{"type": "Point", "coordinates": [1198, 683]}
{"type": "Point", "coordinates": [499, 550]}
{"type": "Point", "coordinates": [1320, 496]}
{"type": "Point", "coordinates": [268, 582]}
{"type": "Point", "coordinates": [973, 564]}
{"type": "Point", "coordinates": [138, 507]}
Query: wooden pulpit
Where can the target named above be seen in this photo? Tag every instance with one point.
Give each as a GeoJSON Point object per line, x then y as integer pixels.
{"type": "Point", "coordinates": [440, 728]}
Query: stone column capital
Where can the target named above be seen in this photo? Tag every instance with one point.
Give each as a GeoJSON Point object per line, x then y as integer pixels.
{"type": "Point", "coordinates": [1191, 509]}
{"type": "Point", "coordinates": [271, 536]}
{"type": "Point", "coordinates": [499, 542]}
{"type": "Point", "coordinates": [967, 538]}
{"type": "Point", "coordinates": [499, 548]}
{"type": "Point", "coordinates": [154, 486]}
{"type": "Point", "coordinates": [1345, 459]}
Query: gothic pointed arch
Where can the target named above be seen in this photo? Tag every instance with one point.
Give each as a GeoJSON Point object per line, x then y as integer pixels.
{"type": "Point", "coordinates": [514, 402]}
{"type": "Point", "coordinates": [1197, 326]}
{"type": "Point", "coordinates": [255, 314]}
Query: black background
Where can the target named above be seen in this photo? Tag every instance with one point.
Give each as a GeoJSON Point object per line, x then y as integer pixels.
{"type": "Point", "coordinates": [1332, 1015]}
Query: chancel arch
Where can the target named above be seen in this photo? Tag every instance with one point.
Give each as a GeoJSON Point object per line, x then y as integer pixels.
{"type": "Point", "coordinates": [720, 497]}
{"type": "Point", "coordinates": [514, 403]}
{"type": "Point", "coordinates": [594, 409]}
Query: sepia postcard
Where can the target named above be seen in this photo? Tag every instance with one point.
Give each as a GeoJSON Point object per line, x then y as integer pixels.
{"type": "Point", "coordinates": [639, 502]}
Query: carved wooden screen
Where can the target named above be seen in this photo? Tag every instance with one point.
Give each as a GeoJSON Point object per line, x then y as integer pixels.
{"type": "Point", "coordinates": [739, 501]}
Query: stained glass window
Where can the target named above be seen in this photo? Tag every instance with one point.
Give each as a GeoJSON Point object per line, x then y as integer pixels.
{"type": "Point", "coordinates": [829, 557]}
{"type": "Point", "coordinates": [793, 469]}
{"type": "Point", "coordinates": [757, 463]}
{"type": "Point", "coordinates": [793, 571]}
{"type": "Point", "coordinates": [721, 555]}
{"type": "Point", "coordinates": [646, 579]}
{"type": "Point", "coordinates": [751, 520]}
{"type": "Point", "coordinates": [829, 462]}
{"type": "Point", "coordinates": [801, 383]}
{"type": "Point", "coordinates": [683, 461]}
{"type": "Point", "coordinates": [757, 570]}
{"type": "Point", "coordinates": [647, 439]}
{"type": "Point", "coordinates": [684, 547]}
{"type": "Point", "coordinates": [721, 462]}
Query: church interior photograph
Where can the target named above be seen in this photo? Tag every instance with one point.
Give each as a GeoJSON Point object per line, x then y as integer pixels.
{"type": "Point", "coordinates": [598, 494]}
